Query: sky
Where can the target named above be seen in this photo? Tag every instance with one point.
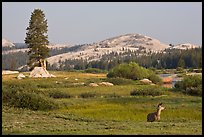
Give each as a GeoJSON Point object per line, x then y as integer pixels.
{"type": "Point", "coordinates": [87, 22]}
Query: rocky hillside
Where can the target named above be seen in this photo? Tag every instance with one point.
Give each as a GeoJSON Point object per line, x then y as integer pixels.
{"type": "Point", "coordinates": [184, 46]}
{"type": "Point", "coordinates": [122, 44]}
{"type": "Point", "coordinates": [9, 47]}
{"type": "Point", "coordinates": [119, 44]}
{"type": "Point", "coordinates": [7, 43]}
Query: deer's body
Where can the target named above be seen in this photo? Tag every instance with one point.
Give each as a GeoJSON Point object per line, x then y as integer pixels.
{"type": "Point", "coordinates": [155, 116]}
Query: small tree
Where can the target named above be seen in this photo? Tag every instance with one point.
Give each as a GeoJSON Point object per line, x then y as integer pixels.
{"type": "Point", "coordinates": [37, 39]}
{"type": "Point", "coordinates": [181, 63]}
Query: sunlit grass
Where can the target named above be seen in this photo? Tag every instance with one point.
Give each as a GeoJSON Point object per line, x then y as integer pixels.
{"type": "Point", "coordinates": [111, 111]}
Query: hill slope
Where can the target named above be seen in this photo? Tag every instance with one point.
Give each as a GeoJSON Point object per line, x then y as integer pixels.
{"type": "Point", "coordinates": [119, 44]}
{"type": "Point", "coordinates": [7, 43]}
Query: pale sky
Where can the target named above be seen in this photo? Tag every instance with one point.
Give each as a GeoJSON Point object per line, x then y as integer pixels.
{"type": "Point", "coordinates": [88, 22]}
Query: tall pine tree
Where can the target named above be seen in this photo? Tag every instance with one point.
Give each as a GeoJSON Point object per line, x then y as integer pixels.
{"type": "Point", "coordinates": [37, 39]}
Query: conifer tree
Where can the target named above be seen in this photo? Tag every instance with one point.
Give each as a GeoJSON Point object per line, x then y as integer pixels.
{"type": "Point", "coordinates": [37, 39]}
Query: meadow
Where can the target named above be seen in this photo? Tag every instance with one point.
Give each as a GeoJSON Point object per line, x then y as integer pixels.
{"type": "Point", "coordinates": [68, 105]}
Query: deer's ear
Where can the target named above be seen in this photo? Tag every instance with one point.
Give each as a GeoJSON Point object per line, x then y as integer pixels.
{"type": "Point", "coordinates": [159, 104]}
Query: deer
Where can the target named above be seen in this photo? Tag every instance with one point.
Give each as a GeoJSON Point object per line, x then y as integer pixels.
{"type": "Point", "coordinates": [155, 116]}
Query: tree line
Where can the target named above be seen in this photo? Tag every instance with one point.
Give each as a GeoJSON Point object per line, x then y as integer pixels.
{"type": "Point", "coordinates": [168, 59]}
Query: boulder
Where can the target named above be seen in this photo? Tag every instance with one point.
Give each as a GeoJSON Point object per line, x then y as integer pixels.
{"type": "Point", "coordinates": [52, 75]}
{"type": "Point", "coordinates": [20, 76]}
{"type": "Point", "coordinates": [5, 72]}
{"type": "Point", "coordinates": [40, 72]}
{"type": "Point", "coordinates": [146, 81]}
{"type": "Point", "coordinates": [106, 84]}
{"type": "Point", "coordinates": [93, 85]}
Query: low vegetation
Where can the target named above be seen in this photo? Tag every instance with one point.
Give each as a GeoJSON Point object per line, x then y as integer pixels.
{"type": "Point", "coordinates": [148, 91]}
{"type": "Point", "coordinates": [58, 106]}
{"type": "Point", "coordinates": [25, 97]}
{"type": "Point", "coordinates": [94, 70]}
{"type": "Point", "coordinates": [121, 81]}
{"type": "Point", "coordinates": [58, 94]}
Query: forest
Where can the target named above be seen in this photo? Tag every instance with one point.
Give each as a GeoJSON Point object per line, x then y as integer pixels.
{"type": "Point", "coordinates": [168, 59]}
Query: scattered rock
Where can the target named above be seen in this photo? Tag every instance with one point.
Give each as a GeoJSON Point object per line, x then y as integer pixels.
{"type": "Point", "coordinates": [106, 84]}
{"type": "Point", "coordinates": [20, 76]}
{"type": "Point", "coordinates": [58, 82]}
{"type": "Point", "coordinates": [5, 72]}
{"type": "Point", "coordinates": [52, 75]}
{"type": "Point", "coordinates": [146, 81]}
{"type": "Point", "coordinates": [93, 85]}
{"type": "Point", "coordinates": [79, 84]}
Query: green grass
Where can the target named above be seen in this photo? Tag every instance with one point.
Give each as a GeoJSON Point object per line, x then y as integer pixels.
{"type": "Point", "coordinates": [112, 110]}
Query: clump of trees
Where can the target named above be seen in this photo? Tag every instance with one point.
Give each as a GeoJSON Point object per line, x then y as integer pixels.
{"type": "Point", "coordinates": [133, 71]}
{"type": "Point", "coordinates": [191, 85]}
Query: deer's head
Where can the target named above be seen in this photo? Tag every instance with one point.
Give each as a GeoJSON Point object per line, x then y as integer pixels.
{"type": "Point", "coordinates": [160, 107]}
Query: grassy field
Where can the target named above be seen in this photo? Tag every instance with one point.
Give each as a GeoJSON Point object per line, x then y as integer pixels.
{"type": "Point", "coordinates": [101, 110]}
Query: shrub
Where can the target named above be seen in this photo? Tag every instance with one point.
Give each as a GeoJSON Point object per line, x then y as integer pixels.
{"type": "Point", "coordinates": [94, 70]}
{"type": "Point", "coordinates": [58, 94]}
{"type": "Point", "coordinates": [28, 100]}
{"type": "Point", "coordinates": [45, 85]}
{"type": "Point", "coordinates": [114, 95]}
{"type": "Point", "coordinates": [87, 95]}
{"type": "Point", "coordinates": [147, 92]}
{"type": "Point", "coordinates": [120, 81]}
{"type": "Point", "coordinates": [196, 91]}
{"type": "Point", "coordinates": [129, 71]}
{"type": "Point", "coordinates": [154, 78]}
{"type": "Point", "coordinates": [180, 70]}
{"type": "Point", "coordinates": [190, 85]}
{"type": "Point", "coordinates": [133, 71]}
{"type": "Point", "coordinates": [17, 96]}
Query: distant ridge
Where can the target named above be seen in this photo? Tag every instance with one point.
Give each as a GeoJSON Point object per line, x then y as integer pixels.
{"type": "Point", "coordinates": [7, 43]}
{"type": "Point", "coordinates": [119, 44]}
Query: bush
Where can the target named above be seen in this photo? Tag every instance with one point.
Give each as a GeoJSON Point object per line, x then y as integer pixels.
{"type": "Point", "coordinates": [196, 91]}
{"type": "Point", "coordinates": [17, 96]}
{"type": "Point", "coordinates": [133, 71]}
{"type": "Point", "coordinates": [180, 70]}
{"type": "Point", "coordinates": [129, 71]}
{"type": "Point", "coordinates": [28, 100]}
{"type": "Point", "coordinates": [120, 81]}
{"type": "Point", "coordinates": [87, 95]}
{"type": "Point", "coordinates": [147, 92]}
{"type": "Point", "coordinates": [191, 85]}
{"type": "Point", "coordinates": [94, 70]}
{"type": "Point", "coordinates": [154, 78]}
{"type": "Point", "coordinates": [58, 94]}
{"type": "Point", "coordinates": [114, 95]}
